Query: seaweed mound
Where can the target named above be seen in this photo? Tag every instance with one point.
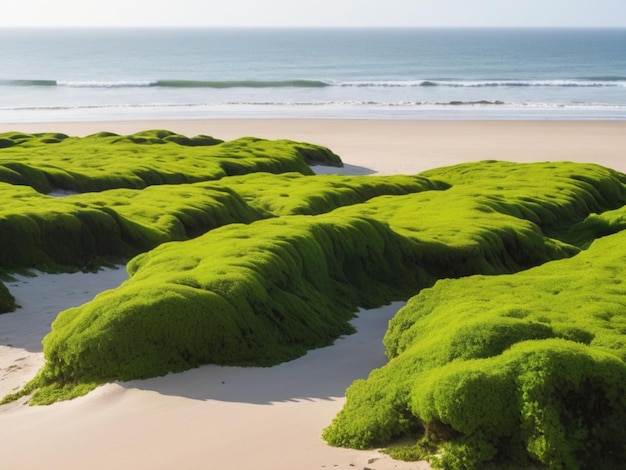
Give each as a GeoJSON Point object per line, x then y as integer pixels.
{"type": "Point", "coordinates": [50, 162]}
{"type": "Point", "coordinates": [255, 294]}
{"type": "Point", "coordinates": [154, 199]}
{"type": "Point", "coordinates": [7, 301]}
{"type": "Point", "coordinates": [510, 350]}
{"type": "Point", "coordinates": [528, 367]}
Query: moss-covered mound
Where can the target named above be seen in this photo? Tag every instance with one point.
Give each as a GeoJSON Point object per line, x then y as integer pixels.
{"type": "Point", "coordinates": [83, 230]}
{"type": "Point", "coordinates": [267, 291]}
{"type": "Point", "coordinates": [7, 301]}
{"type": "Point", "coordinates": [295, 194]}
{"type": "Point", "coordinates": [528, 367]}
{"type": "Point", "coordinates": [551, 195]}
{"type": "Point", "coordinates": [243, 256]}
{"type": "Point", "coordinates": [500, 217]}
{"type": "Point", "coordinates": [595, 226]}
{"type": "Point", "coordinates": [255, 294]}
{"type": "Point", "coordinates": [49, 162]}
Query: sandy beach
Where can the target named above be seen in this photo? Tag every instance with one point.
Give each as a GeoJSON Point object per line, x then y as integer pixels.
{"type": "Point", "coordinates": [240, 418]}
{"type": "Point", "coordinates": [388, 147]}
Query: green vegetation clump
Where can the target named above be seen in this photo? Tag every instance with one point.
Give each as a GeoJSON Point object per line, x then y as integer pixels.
{"type": "Point", "coordinates": [87, 229]}
{"type": "Point", "coordinates": [102, 161]}
{"type": "Point", "coordinates": [499, 217]}
{"type": "Point", "coordinates": [83, 230]}
{"type": "Point", "coordinates": [596, 225]}
{"type": "Point", "coordinates": [7, 301]}
{"type": "Point", "coordinates": [528, 367]}
{"type": "Point", "coordinates": [552, 195]}
{"type": "Point", "coordinates": [256, 294]}
{"type": "Point", "coordinates": [230, 296]}
{"type": "Point", "coordinates": [241, 255]}
{"type": "Point", "coordinates": [296, 194]}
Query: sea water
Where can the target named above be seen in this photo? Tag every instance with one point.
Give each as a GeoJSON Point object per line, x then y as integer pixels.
{"type": "Point", "coordinates": [111, 74]}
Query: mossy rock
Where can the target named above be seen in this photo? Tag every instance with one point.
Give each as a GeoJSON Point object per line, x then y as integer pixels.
{"type": "Point", "coordinates": [107, 161]}
{"type": "Point", "coordinates": [83, 229]}
{"type": "Point", "coordinates": [522, 368]}
{"type": "Point", "coordinates": [482, 237]}
{"type": "Point", "coordinates": [255, 294]}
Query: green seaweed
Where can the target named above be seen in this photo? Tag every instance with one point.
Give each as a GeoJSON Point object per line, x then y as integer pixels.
{"type": "Point", "coordinates": [528, 365]}
{"type": "Point", "coordinates": [7, 301]}
{"type": "Point", "coordinates": [296, 194]}
{"type": "Point", "coordinates": [255, 294]}
{"type": "Point", "coordinates": [82, 230]}
{"type": "Point", "coordinates": [107, 161]}
{"type": "Point", "coordinates": [513, 358]}
{"type": "Point", "coordinates": [596, 225]}
{"type": "Point", "coordinates": [354, 267]}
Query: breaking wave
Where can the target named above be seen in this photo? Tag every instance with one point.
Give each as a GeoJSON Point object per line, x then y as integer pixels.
{"type": "Point", "coordinates": [595, 82]}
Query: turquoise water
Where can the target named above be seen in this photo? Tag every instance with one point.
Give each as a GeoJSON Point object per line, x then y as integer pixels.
{"type": "Point", "coordinates": [312, 73]}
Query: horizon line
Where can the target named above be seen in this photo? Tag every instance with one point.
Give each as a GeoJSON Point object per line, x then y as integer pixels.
{"type": "Point", "coordinates": [143, 26]}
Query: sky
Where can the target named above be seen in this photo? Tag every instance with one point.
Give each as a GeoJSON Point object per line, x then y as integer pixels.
{"type": "Point", "coordinates": [315, 13]}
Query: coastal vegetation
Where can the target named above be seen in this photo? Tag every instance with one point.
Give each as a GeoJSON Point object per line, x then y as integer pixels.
{"type": "Point", "coordinates": [528, 366]}
{"type": "Point", "coordinates": [510, 349]}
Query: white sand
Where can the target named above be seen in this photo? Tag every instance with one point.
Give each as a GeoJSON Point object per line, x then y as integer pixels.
{"type": "Point", "coordinates": [236, 418]}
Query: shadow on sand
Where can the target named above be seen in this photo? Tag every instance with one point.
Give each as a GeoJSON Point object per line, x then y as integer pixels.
{"type": "Point", "coordinates": [344, 170]}
{"type": "Point", "coordinates": [322, 374]}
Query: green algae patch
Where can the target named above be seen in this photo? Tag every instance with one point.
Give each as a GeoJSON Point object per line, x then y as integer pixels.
{"type": "Point", "coordinates": [553, 195]}
{"type": "Point", "coordinates": [159, 214]}
{"type": "Point", "coordinates": [7, 301]}
{"type": "Point", "coordinates": [596, 225]}
{"type": "Point", "coordinates": [256, 294]}
{"type": "Point", "coordinates": [523, 368]}
{"type": "Point", "coordinates": [296, 194]}
{"type": "Point", "coordinates": [266, 291]}
{"type": "Point", "coordinates": [510, 351]}
{"type": "Point", "coordinates": [498, 217]}
{"type": "Point", "coordinates": [107, 161]}
{"type": "Point", "coordinates": [82, 230]}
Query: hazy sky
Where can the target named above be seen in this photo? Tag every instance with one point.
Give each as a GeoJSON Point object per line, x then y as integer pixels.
{"type": "Point", "coordinates": [592, 13]}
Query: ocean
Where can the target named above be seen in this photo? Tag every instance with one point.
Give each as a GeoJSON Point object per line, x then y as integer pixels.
{"type": "Point", "coordinates": [127, 74]}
